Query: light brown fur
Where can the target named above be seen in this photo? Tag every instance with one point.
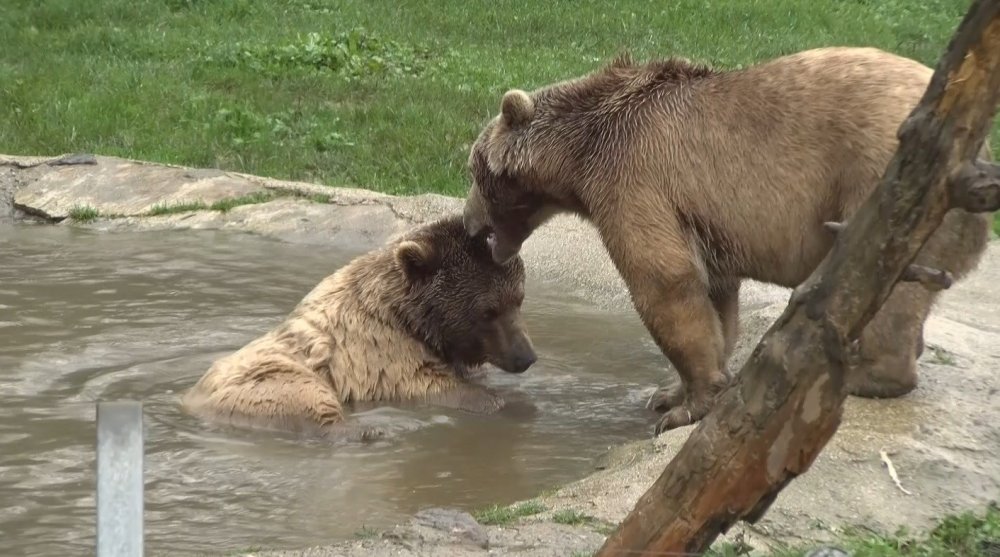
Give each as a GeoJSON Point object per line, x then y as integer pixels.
{"type": "Point", "coordinates": [697, 179]}
{"type": "Point", "coordinates": [364, 334]}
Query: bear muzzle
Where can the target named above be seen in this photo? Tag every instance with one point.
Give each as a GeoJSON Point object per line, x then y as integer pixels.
{"type": "Point", "coordinates": [502, 251]}
{"type": "Point", "coordinates": [519, 357]}
{"type": "Point", "coordinates": [521, 363]}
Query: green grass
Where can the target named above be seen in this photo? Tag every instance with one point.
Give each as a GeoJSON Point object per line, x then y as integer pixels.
{"type": "Point", "coordinates": [248, 550]}
{"type": "Point", "coordinates": [969, 534]}
{"type": "Point", "coordinates": [381, 95]}
{"type": "Point", "coordinates": [366, 533]}
{"type": "Point", "coordinates": [164, 209]}
{"type": "Point", "coordinates": [83, 213]}
{"type": "Point", "coordinates": [571, 517]}
{"type": "Point", "coordinates": [224, 205]}
{"type": "Point", "coordinates": [940, 355]}
{"type": "Point", "coordinates": [497, 515]}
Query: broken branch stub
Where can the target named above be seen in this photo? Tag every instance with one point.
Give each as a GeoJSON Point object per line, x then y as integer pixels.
{"type": "Point", "coordinates": [772, 422]}
{"type": "Point", "coordinates": [976, 187]}
{"type": "Point", "coordinates": [930, 278]}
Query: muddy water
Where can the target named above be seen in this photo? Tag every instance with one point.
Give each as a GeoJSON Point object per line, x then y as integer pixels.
{"type": "Point", "coordinates": [87, 316]}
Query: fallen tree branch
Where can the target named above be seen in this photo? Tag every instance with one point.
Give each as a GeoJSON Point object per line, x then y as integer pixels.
{"type": "Point", "coordinates": [772, 422]}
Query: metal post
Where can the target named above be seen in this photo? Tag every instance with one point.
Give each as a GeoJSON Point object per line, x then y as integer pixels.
{"type": "Point", "coordinates": [119, 479]}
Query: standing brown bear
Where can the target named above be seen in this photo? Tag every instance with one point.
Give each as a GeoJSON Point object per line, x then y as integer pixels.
{"type": "Point", "coordinates": [405, 322]}
{"type": "Point", "coordinates": [697, 179]}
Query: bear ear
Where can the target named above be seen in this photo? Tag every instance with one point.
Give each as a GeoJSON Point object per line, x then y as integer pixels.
{"type": "Point", "coordinates": [517, 108]}
{"type": "Point", "coordinates": [622, 60]}
{"type": "Point", "coordinates": [418, 259]}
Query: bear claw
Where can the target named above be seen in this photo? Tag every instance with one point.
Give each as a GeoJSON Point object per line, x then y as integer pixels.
{"type": "Point", "coordinates": [678, 417]}
{"type": "Point", "coordinates": [665, 398]}
{"type": "Point", "coordinates": [355, 432]}
{"type": "Point", "coordinates": [680, 408]}
{"type": "Point", "coordinates": [372, 433]}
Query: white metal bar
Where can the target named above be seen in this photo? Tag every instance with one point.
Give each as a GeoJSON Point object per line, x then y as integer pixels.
{"type": "Point", "coordinates": [119, 479]}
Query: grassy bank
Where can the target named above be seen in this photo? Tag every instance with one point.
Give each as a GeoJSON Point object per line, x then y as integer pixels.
{"type": "Point", "coordinates": [969, 534]}
{"type": "Point", "coordinates": [382, 95]}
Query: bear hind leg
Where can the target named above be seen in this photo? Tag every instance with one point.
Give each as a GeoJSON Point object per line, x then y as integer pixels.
{"type": "Point", "coordinates": [893, 341]}
{"type": "Point", "coordinates": [890, 345]}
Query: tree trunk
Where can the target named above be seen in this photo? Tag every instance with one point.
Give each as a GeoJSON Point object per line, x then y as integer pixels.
{"type": "Point", "coordinates": [769, 426]}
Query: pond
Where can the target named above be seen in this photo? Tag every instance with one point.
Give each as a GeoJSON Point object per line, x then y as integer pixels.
{"type": "Point", "coordinates": [88, 315]}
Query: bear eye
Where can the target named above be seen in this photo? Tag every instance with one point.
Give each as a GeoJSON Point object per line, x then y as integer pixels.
{"type": "Point", "coordinates": [490, 314]}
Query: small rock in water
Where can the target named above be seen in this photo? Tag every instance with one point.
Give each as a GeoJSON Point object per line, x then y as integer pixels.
{"type": "Point", "coordinates": [453, 523]}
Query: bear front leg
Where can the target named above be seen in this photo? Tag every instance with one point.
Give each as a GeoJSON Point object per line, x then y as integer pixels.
{"type": "Point", "coordinates": [680, 315]}
{"type": "Point", "coordinates": [468, 397]}
{"type": "Point", "coordinates": [725, 296]}
{"type": "Point", "coordinates": [278, 393]}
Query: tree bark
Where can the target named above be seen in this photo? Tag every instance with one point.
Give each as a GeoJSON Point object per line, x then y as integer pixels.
{"type": "Point", "coordinates": [772, 422]}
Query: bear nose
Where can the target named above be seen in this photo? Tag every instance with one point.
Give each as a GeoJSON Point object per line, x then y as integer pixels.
{"type": "Point", "coordinates": [523, 361]}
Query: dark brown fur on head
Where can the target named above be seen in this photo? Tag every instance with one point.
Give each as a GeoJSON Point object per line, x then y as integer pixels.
{"type": "Point", "coordinates": [581, 126]}
{"type": "Point", "coordinates": [457, 300]}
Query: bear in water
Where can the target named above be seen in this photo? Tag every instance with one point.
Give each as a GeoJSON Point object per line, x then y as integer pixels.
{"type": "Point", "coordinates": [409, 321]}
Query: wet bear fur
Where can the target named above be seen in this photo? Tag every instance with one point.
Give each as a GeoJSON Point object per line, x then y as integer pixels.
{"type": "Point", "coordinates": [409, 321]}
{"type": "Point", "coordinates": [698, 178]}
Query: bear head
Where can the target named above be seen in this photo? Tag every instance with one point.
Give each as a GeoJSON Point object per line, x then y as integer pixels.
{"type": "Point", "coordinates": [544, 151]}
{"type": "Point", "coordinates": [460, 302]}
{"type": "Point", "coordinates": [506, 200]}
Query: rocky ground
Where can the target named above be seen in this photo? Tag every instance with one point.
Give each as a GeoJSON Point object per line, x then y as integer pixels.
{"type": "Point", "coordinates": [942, 439]}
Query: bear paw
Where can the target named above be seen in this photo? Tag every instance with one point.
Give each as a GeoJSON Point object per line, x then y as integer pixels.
{"type": "Point", "coordinates": [867, 383]}
{"type": "Point", "coordinates": [665, 398]}
{"type": "Point", "coordinates": [681, 407]}
{"type": "Point", "coordinates": [355, 432]}
{"type": "Point", "coordinates": [481, 401]}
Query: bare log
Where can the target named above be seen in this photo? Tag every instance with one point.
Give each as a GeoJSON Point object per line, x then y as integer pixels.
{"type": "Point", "coordinates": [772, 422]}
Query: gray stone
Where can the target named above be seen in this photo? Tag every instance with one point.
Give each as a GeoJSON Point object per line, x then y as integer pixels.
{"type": "Point", "coordinates": [456, 525]}
{"type": "Point", "coordinates": [121, 187]}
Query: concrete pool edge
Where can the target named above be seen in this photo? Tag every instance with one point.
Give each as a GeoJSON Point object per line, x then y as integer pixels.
{"type": "Point", "coordinates": [844, 487]}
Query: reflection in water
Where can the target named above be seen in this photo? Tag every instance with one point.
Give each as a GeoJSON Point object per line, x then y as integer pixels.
{"type": "Point", "coordinates": [87, 316]}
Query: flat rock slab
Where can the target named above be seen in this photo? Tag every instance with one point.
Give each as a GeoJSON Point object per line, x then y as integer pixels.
{"type": "Point", "coordinates": [353, 229]}
{"type": "Point", "coordinates": [115, 186]}
{"type": "Point", "coordinates": [449, 526]}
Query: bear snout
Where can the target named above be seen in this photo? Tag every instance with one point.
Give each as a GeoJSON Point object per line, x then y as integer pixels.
{"type": "Point", "coordinates": [522, 362]}
{"type": "Point", "coordinates": [501, 249]}
{"type": "Point", "coordinates": [521, 355]}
